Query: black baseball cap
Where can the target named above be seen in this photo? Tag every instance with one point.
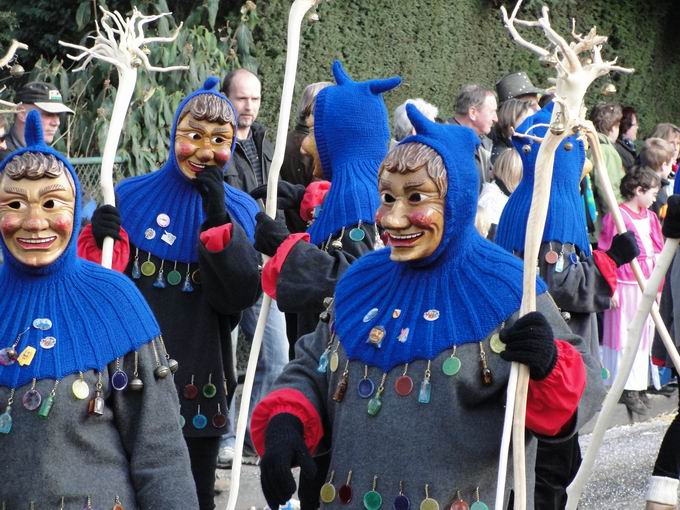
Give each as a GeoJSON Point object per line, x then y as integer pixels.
{"type": "Point", "coordinates": [44, 95]}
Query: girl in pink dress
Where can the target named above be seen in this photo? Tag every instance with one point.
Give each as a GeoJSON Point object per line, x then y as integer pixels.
{"type": "Point", "coordinates": [639, 189]}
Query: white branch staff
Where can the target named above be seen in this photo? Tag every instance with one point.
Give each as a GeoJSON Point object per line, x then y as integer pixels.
{"type": "Point", "coordinates": [572, 81]}
{"type": "Point", "coordinates": [122, 45]}
{"type": "Point", "coordinates": [295, 17]}
{"type": "Point", "coordinates": [4, 62]}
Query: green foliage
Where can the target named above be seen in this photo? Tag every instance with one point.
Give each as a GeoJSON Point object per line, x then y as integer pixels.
{"type": "Point", "coordinates": [436, 46]}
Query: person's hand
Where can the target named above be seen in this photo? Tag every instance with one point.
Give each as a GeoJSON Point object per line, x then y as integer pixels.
{"type": "Point", "coordinates": [671, 223]}
{"type": "Point", "coordinates": [530, 341]}
{"type": "Point", "coordinates": [284, 447]}
{"type": "Point", "coordinates": [288, 196]}
{"type": "Point", "coordinates": [614, 302]}
{"type": "Point", "coordinates": [624, 248]}
{"type": "Point", "coordinates": [105, 223]}
{"type": "Point", "coordinates": [210, 184]}
{"type": "Point", "coordinates": [269, 234]}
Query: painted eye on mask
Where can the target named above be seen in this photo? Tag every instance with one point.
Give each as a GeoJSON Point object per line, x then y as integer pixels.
{"type": "Point", "coordinates": [49, 204]}
{"type": "Point", "coordinates": [219, 140]}
{"type": "Point", "coordinates": [15, 205]}
{"type": "Point", "coordinates": [387, 198]}
{"type": "Point", "coordinates": [193, 136]}
{"type": "Point", "coordinates": [415, 197]}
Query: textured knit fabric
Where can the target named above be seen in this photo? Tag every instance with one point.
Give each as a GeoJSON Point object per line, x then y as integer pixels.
{"type": "Point", "coordinates": [352, 136]}
{"type": "Point", "coordinates": [96, 314]}
{"type": "Point", "coordinates": [168, 191]}
{"type": "Point", "coordinates": [565, 221]}
{"type": "Point", "coordinates": [469, 285]}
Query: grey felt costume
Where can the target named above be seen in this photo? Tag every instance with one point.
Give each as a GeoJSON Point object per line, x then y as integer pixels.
{"type": "Point", "coordinates": [135, 450]}
{"type": "Point", "coordinates": [451, 443]}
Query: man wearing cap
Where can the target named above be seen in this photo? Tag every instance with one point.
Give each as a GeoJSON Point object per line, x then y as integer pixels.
{"type": "Point", "coordinates": [45, 98]}
{"type": "Point", "coordinates": [518, 86]}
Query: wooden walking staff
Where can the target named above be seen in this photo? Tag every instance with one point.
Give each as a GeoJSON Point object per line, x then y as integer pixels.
{"type": "Point", "coordinates": [5, 60]}
{"type": "Point", "coordinates": [295, 17]}
{"type": "Point", "coordinates": [574, 76]}
{"type": "Point", "coordinates": [650, 290]}
{"type": "Point", "coordinates": [124, 46]}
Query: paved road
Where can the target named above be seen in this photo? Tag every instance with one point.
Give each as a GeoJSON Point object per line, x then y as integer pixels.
{"type": "Point", "coordinates": [618, 482]}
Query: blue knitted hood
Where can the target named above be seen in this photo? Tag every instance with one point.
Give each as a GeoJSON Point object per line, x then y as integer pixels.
{"type": "Point", "coordinates": [352, 136]}
{"type": "Point", "coordinates": [457, 295]}
{"type": "Point", "coordinates": [167, 191]}
{"type": "Point", "coordinates": [96, 315]}
{"type": "Point", "coordinates": [565, 221]}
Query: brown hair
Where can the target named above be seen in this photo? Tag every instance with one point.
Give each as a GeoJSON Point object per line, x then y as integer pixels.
{"type": "Point", "coordinates": [209, 107]}
{"type": "Point", "coordinates": [508, 114]}
{"type": "Point", "coordinates": [638, 176]}
{"type": "Point", "coordinates": [34, 166]}
{"type": "Point", "coordinates": [308, 99]}
{"type": "Point", "coordinates": [508, 168]}
{"type": "Point", "coordinates": [411, 157]}
{"type": "Point", "coordinates": [605, 116]}
{"type": "Point", "coordinates": [655, 152]}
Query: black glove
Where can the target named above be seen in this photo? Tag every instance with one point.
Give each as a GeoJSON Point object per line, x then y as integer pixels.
{"type": "Point", "coordinates": [210, 184]}
{"type": "Point", "coordinates": [530, 341]}
{"type": "Point", "coordinates": [671, 223]}
{"type": "Point", "coordinates": [624, 248]}
{"type": "Point", "coordinates": [269, 234]}
{"type": "Point", "coordinates": [288, 196]}
{"type": "Point", "coordinates": [284, 447]}
{"type": "Point", "coordinates": [105, 223]}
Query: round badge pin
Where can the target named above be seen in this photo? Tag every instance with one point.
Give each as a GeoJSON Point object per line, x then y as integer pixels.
{"type": "Point", "coordinates": [48, 342]}
{"type": "Point", "coordinates": [43, 324]}
{"type": "Point", "coordinates": [149, 233]}
{"type": "Point", "coordinates": [431, 315]}
{"type": "Point", "coordinates": [163, 220]}
{"type": "Point", "coordinates": [371, 314]}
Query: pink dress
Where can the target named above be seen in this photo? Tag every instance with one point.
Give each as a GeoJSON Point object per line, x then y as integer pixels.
{"type": "Point", "coordinates": [647, 229]}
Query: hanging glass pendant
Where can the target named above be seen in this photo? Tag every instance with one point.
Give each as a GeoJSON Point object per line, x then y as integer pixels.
{"type": "Point", "coordinates": [136, 273]}
{"type": "Point", "coordinates": [322, 368]}
{"type": "Point", "coordinates": [186, 286]}
{"type": "Point", "coordinates": [159, 282]}
{"type": "Point", "coordinates": [46, 407]}
{"type": "Point", "coordinates": [95, 407]}
{"type": "Point", "coordinates": [559, 265]}
{"type": "Point", "coordinates": [425, 392]}
{"type": "Point", "coordinates": [341, 388]}
{"type": "Point", "coordinates": [6, 420]}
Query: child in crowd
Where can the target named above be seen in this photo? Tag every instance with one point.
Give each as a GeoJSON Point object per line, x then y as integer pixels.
{"type": "Point", "coordinates": [507, 172]}
{"type": "Point", "coordinates": [639, 189]}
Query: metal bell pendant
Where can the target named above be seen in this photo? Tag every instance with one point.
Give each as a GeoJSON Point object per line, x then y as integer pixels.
{"type": "Point", "coordinates": [161, 372]}
{"type": "Point", "coordinates": [136, 384]}
{"type": "Point", "coordinates": [336, 244]}
{"type": "Point", "coordinates": [173, 365]}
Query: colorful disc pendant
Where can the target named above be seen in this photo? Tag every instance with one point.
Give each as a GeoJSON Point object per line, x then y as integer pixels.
{"type": "Point", "coordinates": [401, 502]}
{"type": "Point", "coordinates": [199, 421]}
{"type": "Point", "coordinates": [174, 277]}
{"type": "Point", "coordinates": [148, 268]}
{"type": "Point", "coordinates": [190, 392]}
{"type": "Point", "coordinates": [403, 385]}
{"type": "Point", "coordinates": [496, 343]}
{"type": "Point", "coordinates": [551, 257]}
{"type": "Point", "coordinates": [573, 258]}
{"type": "Point", "coordinates": [119, 380]}
{"type": "Point", "coordinates": [327, 493]}
{"type": "Point", "coordinates": [31, 400]}
{"type": "Point", "coordinates": [335, 360]}
{"type": "Point", "coordinates": [80, 389]}
{"type": "Point", "coordinates": [605, 374]}
{"type": "Point", "coordinates": [372, 500]}
{"type": "Point", "coordinates": [459, 505]}
{"type": "Point", "coordinates": [182, 421]}
{"type": "Point", "coordinates": [365, 388]}
{"type": "Point", "coordinates": [219, 421]}
{"type": "Point", "coordinates": [357, 234]}
{"type": "Point", "coordinates": [429, 504]}
{"type": "Point", "coordinates": [479, 505]}
{"type": "Point", "coordinates": [345, 494]}
{"type": "Point", "coordinates": [451, 366]}
{"type": "Point", "coordinates": [209, 390]}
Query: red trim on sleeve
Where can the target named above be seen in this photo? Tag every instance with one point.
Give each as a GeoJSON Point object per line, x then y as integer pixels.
{"type": "Point", "coordinates": [658, 361]}
{"type": "Point", "coordinates": [217, 238]}
{"type": "Point", "coordinates": [314, 195]}
{"type": "Point", "coordinates": [552, 402]}
{"type": "Point", "coordinates": [286, 400]}
{"type": "Point", "coordinates": [607, 268]}
{"type": "Point", "coordinates": [88, 249]}
{"type": "Point", "coordinates": [272, 269]}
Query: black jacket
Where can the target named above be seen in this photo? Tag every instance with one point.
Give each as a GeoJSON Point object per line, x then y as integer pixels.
{"type": "Point", "coordinates": [627, 152]}
{"type": "Point", "coordinates": [241, 172]}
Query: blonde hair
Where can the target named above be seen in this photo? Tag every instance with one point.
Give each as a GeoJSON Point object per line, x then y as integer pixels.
{"type": "Point", "coordinates": [655, 152]}
{"type": "Point", "coordinates": [308, 98]}
{"type": "Point", "coordinates": [508, 168]}
{"type": "Point", "coordinates": [482, 221]}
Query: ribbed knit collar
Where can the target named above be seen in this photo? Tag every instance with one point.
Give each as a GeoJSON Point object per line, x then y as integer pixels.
{"type": "Point", "coordinates": [95, 315]}
{"type": "Point", "coordinates": [352, 136]}
{"type": "Point", "coordinates": [148, 202]}
{"type": "Point", "coordinates": [458, 295]}
{"type": "Point", "coordinates": [565, 221]}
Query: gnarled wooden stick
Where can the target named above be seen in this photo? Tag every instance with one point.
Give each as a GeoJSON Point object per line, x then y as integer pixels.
{"type": "Point", "coordinates": [11, 51]}
{"type": "Point", "coordinates": [121, 47]}
{"type": "Point", "coordinates": [295, 17]}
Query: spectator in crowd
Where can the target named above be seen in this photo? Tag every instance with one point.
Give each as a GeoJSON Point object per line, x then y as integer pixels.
{"type": "Point", "coordinates": [249, 169]}
{"type": "Point", "coordinates": [476, 108]}
{"type": "Point", "coordinates": [606, 118]}
{"type": "Point", "coordinates": [3, 133]}
{"type": "Point", "coordinates": [507, 172]}
{"type": "Point", "coordinates": [45, 98]}
{"type": "Point", "coordinates": [670, 133]}
{"type": "Point", "coordinates": [510, 115]}
{"type": "Point", "coordinates": [639, 188]}
{"type": "Point", "coordinates": [518, 86]}
{"type": "Point", "coordinates": [658, 155]}
{"type": "Point", "coordinates": [625, 144]}
{"type": "Point", "coordinates": [401, 125]}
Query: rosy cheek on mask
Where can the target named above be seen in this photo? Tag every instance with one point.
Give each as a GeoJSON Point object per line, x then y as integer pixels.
{"type": "Point", "coordinates": [379, 216]}
{"type": "Point", "coordinates": [62, 223]}
{"type": "Point", "coordinates": [221, 157]}
{"type": "Point", "coordinates": [422, 219]}
{"type": "Point", "coordinates": [9, 225]}
{"type": "Point", "coordinates": [184, 150]}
